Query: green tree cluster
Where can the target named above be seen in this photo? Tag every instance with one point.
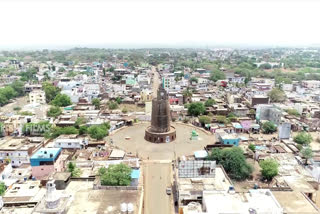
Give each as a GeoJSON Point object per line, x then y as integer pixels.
{"type": "Point", "coordinates": [233, 161]}
{"type": "Point", "coordinates": [50, 91]}
{"type": "Point", "coordinates": [269, 168]}
{"type": "Point", "coordinates": [54, 111]}
{"type": "Point", "coordinates": [115, 175]}
{"type": "Point", "coordinates": [277, 95]}
{"type": "Point", "coordinates": [204, 120]}
{"type": "Point", "coordinates": [303, 138]}
{"type": "Point", "coordinates": [217, 75]}
{"type": "Point", "coordinates": [96, 103]}
{"type": "Point", "coordinates": [269, 127]}
{"type": "Point", "coordinates": [57, 131]}
{"type": "Point", "coordinates": [61, 100]}
{"type": "Point", "coordinates": [307, 153]}
{"type": "Point", "coordinates": [75, 171]}
{"type": "Point", "coordinates": [98, 132]}
{"type": "Point", "coordinates": [2, 188]}
{"type": "Point", "coordinates": [209, 102]}
{"type": "Point", "coordinates": [196, 109]}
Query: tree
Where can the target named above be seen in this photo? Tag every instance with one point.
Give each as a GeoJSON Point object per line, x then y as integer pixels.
{"type": "Point", "coordinates": [18, 86]}
{"type": "Point", "coordinates": [293, 112]}
{"type": "Point", "coordinates": [221, 119]}
{"type": "Point", "coordinates": [2, 188]}
{"type": "Point", "coordinates": [209, 102]}
{"type": "Point", "coordinates": [75, 172]}
{"type": "Point", "coordinates": [57, 131]}
{"type": "Point", "coordinates": [187, 93]}
{"type": "Point", "coordinates": [269, 127]}
{"type": "Point", "coordinates": [116, 175]}
{"type": "Point", "coordinates": [83, 130]}
{"type": "Point", "coordinates": [61, 100]}
{"type": "Point", "coordinates": [119, 100]}
{"type": "Point", "coordinates": [233, 161]}
{"type": "Point", "coordinates": [80, 121]}
{"type": "Point", "coordinates": [277, 95]}
{"type": "Point", "coordinates": [98, 132]}
{"type": "Point", "coordinates": [265, 66]}
{"type": "Point", "coordinates": [54, 111]}
{"type": "Point", "coordinates": [303, 138]}
{"type": "Point", "coordinates": [50, 91]}
{"type": "Point", "coordinates": [96, 103]}
{"type": "Point", "coordinates": [252, 147]}
{"type": "Point", "coordinates": [307, 153]}
{"type": "Point", "coordinates": [112, 105]}
{"type": "Point", "coordinates": [204, 120]}
{"type": "Point", "coordinates": [196, 109]}
{"type": "Point", "coordinates": [8, 92]}
{"type": "Point", "coordinates": [217, 75]}
{"type": "Point", "coordinates": [269, 168]}
{"type": "Point", "coordinates": [193, 79]}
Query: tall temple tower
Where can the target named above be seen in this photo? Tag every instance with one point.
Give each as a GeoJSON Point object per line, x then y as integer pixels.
{"type": "Point", "coordinates": [160, 130]}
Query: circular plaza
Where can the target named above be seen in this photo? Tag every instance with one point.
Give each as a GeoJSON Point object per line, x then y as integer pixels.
{"type": "Point", "coordinates": [131, 139]}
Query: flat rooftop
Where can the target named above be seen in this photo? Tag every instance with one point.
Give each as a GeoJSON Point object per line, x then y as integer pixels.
{"type": "Point", "coordinates": [219, 182]}
{"type": "Point", "coordinates": [260, 200]}
{"type": "Point", "coordinates": [294, 202]}
{"type": "Point", "coordinates": [86, 200]}
{"type": "Point", "coordinates": [13, 144]}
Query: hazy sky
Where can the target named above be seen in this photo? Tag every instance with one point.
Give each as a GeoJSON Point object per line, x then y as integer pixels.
{"type": "Point", "coordinates": [58, 23]}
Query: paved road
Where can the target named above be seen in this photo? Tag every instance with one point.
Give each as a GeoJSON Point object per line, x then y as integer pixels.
{"type": "Point", "coordinates": [157, 178]}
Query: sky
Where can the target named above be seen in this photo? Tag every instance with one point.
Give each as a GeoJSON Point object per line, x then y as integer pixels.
{"type": "Point", "coordinates": [31, 24]}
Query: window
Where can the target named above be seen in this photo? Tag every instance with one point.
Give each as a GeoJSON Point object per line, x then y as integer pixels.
{"type": "Point", "coordinates": [12, 161]}
{"type": "Point", "coordinates": [69, 144]}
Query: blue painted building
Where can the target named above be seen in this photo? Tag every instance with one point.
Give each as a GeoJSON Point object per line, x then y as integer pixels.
{"type": "Point", "coordinates": [135, 175]}
{"type": "Point", "coordinates": [228, 139]}
{"type": "Point", "coordinates": [44, 155]}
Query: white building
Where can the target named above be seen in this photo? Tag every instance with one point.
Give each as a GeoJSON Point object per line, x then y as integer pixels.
{"type": "Point", "coordinates": [70, 143]}
{"type": "Point", "coordinates": [37, 96]}
{"type": "Point", "coordinates": [17, 150]}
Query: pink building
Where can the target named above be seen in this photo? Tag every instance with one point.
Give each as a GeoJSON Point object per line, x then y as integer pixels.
{"type": "Point", "coordinates": [46, 161]}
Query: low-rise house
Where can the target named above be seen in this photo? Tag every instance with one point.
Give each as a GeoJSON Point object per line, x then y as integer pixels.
{"type": "Point", "coordinates": [70, 142]}
{"type": "Point", "coordinates": [17, 150]}
{"type": "Point", "coordinates": [46, 161]}
{"type": "Point", "coordinates": [227, 139]}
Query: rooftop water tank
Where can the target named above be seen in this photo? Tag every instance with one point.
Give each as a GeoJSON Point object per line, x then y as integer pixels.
{"type": "Point", "coordinates": [130, 208]}
{"type": "Point", "coordinates": [123, 208]}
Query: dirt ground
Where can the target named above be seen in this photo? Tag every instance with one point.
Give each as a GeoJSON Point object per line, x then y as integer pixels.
{"type": "Point", "coordinates": [183, 145]}
{"type": "Point", "coordinates": [20, 102]}
{"type": "Point", "coordinates": [131, 108]}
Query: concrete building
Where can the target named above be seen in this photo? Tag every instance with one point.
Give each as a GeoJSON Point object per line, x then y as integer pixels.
{"type": "Point", "coordinates": [194, 178]}
{"type": "Point", "coordinates": [46, 161]}
{"type": "Point", "coordinates": [70, 142]}
{"type": "Point", "coordinates": [17, 150]}
{"type": "Point", "coordinates": [254, 201]}
{"type": "Point", "coordinates": [284, 130]}
{"type": "Point", "coordinates": [168, 82]}
{"type": "Point", "coordinates": [37, 96]}
{"type": "Point", "coordinates": [227, 139]}
{"type": "Point", "coordinates": [268, 112]}
{"type": "Point", "coordinates": [259, 99]}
